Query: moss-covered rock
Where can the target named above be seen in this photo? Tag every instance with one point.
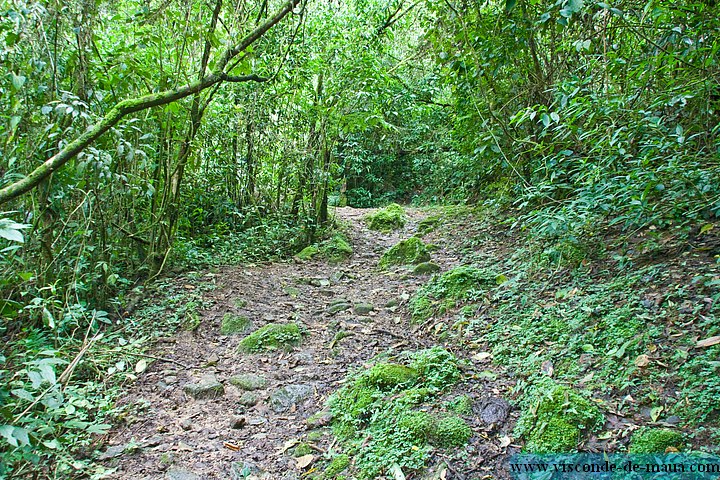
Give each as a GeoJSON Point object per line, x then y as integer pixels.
{"type": "Point", "coordinates": [555, 436]}
{"type": "Point", "coordinates": [234, 324]}
{"type": "Point", "coordinates": [428, 225]}
{"type": "Point", "coordinates": [407, 252]}
{"type": "Point", "coordinates": [450, 432]}
{"type": "Point", "coordinates": [555, 418]}
{"type": "Point", "coordinates": [425, 268]}
{"type": "Point", "coordinates": [389, 376]}
{"type": "Point", "coordinates": [248, 381]}
{"type": "Point", "coordinates": [272, 336]}
{"type": "Point", "coordinates": [655, 440]}
{"type": "Point", "coordinates": [308, 252]}
{"type": "Point", "coordinates": [387, 219]}
{"type": "Point", "coordinates": [416, 425]}
{"type": "Point", "coordinates": [302, 449]}
{"type": "Point", "coordinates": [337, 465]}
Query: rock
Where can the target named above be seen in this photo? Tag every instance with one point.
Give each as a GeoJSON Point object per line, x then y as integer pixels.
{"type": "Point", "coordinates": [320, 419]}
{"type": "Point", "coordinates": [494, 411]}
{"type": "Point", "coordinates": [112, 452]}
{"type": "Point", "coordinates": [304, 358]}
{"type": "Point", "coordinates": [281, 400]}
{"type": "Point", "coordinates": [392, 303]}
{"type": "Point", "coordinates": [672, 420]}
{"type": "Point", "coordinates": [207, 387]}
{"type": "Point", "coordinates": [363, 308]}
{"type": "Point", "coordinates": [242, 470]}
{"type": "Point", "coordinates": [152, 441]}
{"type": "Point", "coordinates": [248, 381]}
{"type": "Point", "coordinates": [213, 359]}
{"type": "Point", "coordinates": [425, 268]}
{"type": "Point", "coordinates": [186, 424]}
{"type": "Point", "coordinates": [181, 474]}
{"type": "Point", "coordinates": [338, 307]}
{"type": "Point", "coordinates": [248, 399]}
{"type": "Point", "coordinates": [237, 422]}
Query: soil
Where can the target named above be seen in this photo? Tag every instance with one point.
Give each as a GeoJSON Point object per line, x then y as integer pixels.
{"type": "Point", "coordinates": [175, 436]}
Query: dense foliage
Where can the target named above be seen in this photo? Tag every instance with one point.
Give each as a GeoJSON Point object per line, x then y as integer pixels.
{"type": "Point", "coordinates": [232, 141]}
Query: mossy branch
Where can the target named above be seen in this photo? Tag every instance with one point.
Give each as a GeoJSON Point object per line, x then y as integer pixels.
{"type": "Point", "coordinates": [126, 107]}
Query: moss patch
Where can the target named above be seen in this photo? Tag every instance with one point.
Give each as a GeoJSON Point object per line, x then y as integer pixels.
{"type": "Point", "coordinates": [335, 249]}
{"type": "Point", "coordinates": [655, 440]}
{"type": "Point", "coordinates": [461, 404]}
{"type": "Point", "coordinates": [407, 252]}
{"type": "Point", "coordinates": [234, 324]}
{"type": "Point", "coordinates": [387, 219]}
{"type": "Point", "coordinates": [425, 268]}
{"type": "Point", "coordinates": [428, 225]}
{"type": "Point", "coordinates": [384, 415]}
{"type": "Point", "coordinates": [272, 337]}
{"type": "Point", "coordinates": [443, 292]}
{"type": "Point", "coordinates": [555, 418]}
{"type": "Point", "coordinates": [337, 465]}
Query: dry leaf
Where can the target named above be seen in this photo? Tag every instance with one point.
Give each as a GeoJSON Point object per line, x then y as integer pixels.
{"type": "Point", "coordinates": [505, 441]}
{"type": "Point", "coordinates": [708, 342]}
{"type": "Point", "coordinates": [547, 368]}
{"type": "Point", "coordinates": [140, 366]}
{"type": "Point", "coordinates": [305, 460]}
{"type": "Point", "coordinates": [642, 361]}
{"type": "Point", "coordinates": [397, 472]}
{"type": "Point", "coordinates": [288, 445]}
{"type": "Point", "coordinates": [671, 450]}
{"type": "Point", "coordinates": [482, 356]}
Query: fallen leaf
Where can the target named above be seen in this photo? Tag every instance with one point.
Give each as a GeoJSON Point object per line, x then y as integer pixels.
{"type": "Point", "coordinates": [189, 287]}
{"type": "Point", "coordinates": [140, 366]}
{"type": "Point", "coordinates": [397, 472]}
{"type": "Point", "coordinates": [708, 342]}
{"type": "Point", "coordinates": [655, 413]}
{"type": "Point", "coordinates": [671, 450]}
{"type": "Point", "coordinates": [505, 441]}
{"type": "Point", "coordinates": [547, 368]}
{"type": "Point", "coordinates": [642, 361]}
{"type": "Point", "coordinates": [482, 356]}
{"type": "Point", "coordinates": [288, 445]}
{"type": "Point", "coordinates": [305, 460]}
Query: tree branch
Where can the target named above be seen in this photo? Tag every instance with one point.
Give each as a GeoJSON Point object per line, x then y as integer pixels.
{"type": "Point", "coordinates": [126, 107]}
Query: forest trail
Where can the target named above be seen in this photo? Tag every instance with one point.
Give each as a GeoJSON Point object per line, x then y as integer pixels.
{"type": "Point", "coordinates": [251, 434]}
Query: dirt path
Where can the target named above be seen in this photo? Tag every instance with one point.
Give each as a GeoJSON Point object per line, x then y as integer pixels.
{"type": "Point", "coordinates": [179, 437]}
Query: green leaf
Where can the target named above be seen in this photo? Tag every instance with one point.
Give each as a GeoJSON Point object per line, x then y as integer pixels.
{"type": "Point", "coordinates": [15, 436]}
{"type": "Point", "coordinates": [576, 5]}
{"type": "Point", "coordinates": [509, 5]}
{"type": "Point", "coordinates": [18, 81]}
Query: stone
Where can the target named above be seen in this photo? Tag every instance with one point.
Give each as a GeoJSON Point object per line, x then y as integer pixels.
{"type": "Point", "coordinates": [237, 422]}
{"type": "Point", "coordinates": [363, 308]}
{"type": "Point", "coordinates": [186, 424]}
{"type": "Point", "coordinates": [181, 474]}
{"type": "Point", "coordinates": [112, 452]}
{"type": "Point", "coordinates": [213, 359]}
{"type": "Point", "coordinates": [281, 400]}
{"type": "Point", "coordinates": [425, 268]}
{"type": "Point", "coordinates": [248, 381]}
{"type": "Point", "coordinates": [494, 411]}
{"type": "Point", "coordinates": [248, 399]}
{"type": "Point", "coordinates": [338, 307]}
{"type": "Point", "coordinates": [208, 387]}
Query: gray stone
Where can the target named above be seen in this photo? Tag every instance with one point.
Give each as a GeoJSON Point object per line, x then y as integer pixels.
{"type": "Point", "coordinates": [238, 422]}
{"type": "Point", "coordinates": [181, 474]}
{"type": "Point", "coordinates": [281, 400]}
{"type": "Point", "coordinates": [213, 359]}
{"type": "Point", "coordinates": [207, 387]}
{"type": "Point", "coordinates": [494, 411]}
{"type": "Point", "coordinates": [248, 399]}
{"type": "Point", "coordinates": [186, 424]}
{"type": "Point", "coordinates": [242, 470]}
{"type": "Point", "coordinates": [363, 308]}
{"type": "Point", "coordinates": [112, 452]}
{"type": "Point", "coordinates": [249, 381]}
{"type": "Point", "coordinates": [338, 307]}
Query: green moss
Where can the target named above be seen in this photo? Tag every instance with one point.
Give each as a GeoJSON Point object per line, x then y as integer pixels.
{"type": "Point", "coordinates": [234, 324]}
{"type": "Point", "coordinates": [407, 252]}
{"type": "Point", "coordinates": [556, 436]}
{"type": "Point", "coordinates": [425, 268]}
{"type": "Point", "coordinates": [315, 436]}
{"type": "Point", "coordinates": [349, 407]}
{"type": "Point", "coordinates": [655, 440]}
{"type": "Point", "coordinates": [272, 337]}
{"type": "Point", "coordinates": [308, 252]}
{"type": "Point", "coordinates": [450, 432]}
{"type": "Point", "coordinates": [388, 376]}
{"type": "Point", "coordinates": [387, 219]}
{"type": "Point", "coordinates": [556, 416]}
{"type": "Point", "coordinates": [337, 465]}
{"type": "Point", "coordinates": [437, 367]}
{"type": "Point", "coordinates": [461, 404]}
{"type": "Point", "coordinates": [416, 425]}
{"type": "Point", "coordinates": [428, 225]}
{"type": "Point", "coordinates": [444, 291]}
{"type": "Point", "coordinates": [302, 449]}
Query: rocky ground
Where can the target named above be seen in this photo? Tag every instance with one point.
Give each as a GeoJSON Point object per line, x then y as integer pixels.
{"type": "Point", "coordinates": [216, 413]}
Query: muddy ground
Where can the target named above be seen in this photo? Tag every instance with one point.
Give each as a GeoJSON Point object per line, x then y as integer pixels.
{"type": "Point", "coordinates": [238, 433]}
